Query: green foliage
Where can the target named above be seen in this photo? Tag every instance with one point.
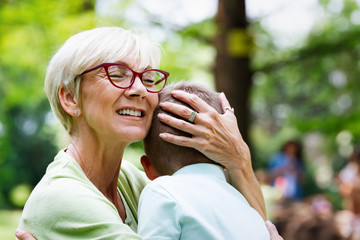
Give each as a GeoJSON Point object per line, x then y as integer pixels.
{"type": "Point", "coordinates": [189, 53]}
{"type": "Point", "coordinates": [9, 221]}
{"type": "Point", "coordinates": [133, 154]}
{"type": "Point", "coordinates": [20, 194]}
{"type": "Point", "coordinates": [30, 35]}
{"type": "Point", "coordinates": [312, 89]}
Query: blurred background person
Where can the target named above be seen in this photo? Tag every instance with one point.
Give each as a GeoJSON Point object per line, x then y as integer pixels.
{"type": "Point", "coordinates": [349, 182]}
{"type": "Point", "coordinates": [311, 219]}
{"type": "Point", "coordinates": [348, 220]}
{"type": "Point", "coordinates": [286, 170]}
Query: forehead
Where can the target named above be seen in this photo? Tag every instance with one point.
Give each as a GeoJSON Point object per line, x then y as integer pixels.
{"type": "Point", "coordinates": [134, 62]}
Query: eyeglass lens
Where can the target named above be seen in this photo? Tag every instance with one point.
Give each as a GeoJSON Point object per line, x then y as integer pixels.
{"type": "Point", "coordinates": [122, 76]}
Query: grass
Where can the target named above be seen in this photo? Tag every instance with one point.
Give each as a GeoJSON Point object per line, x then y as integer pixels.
{"type": "Point", "coordinates": [9, 220]}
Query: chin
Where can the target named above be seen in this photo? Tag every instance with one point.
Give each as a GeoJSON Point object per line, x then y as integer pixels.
{"type": "Point", "coordinates": [135, 136]}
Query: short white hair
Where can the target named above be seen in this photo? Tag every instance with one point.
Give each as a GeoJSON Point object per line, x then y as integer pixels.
{"type": "Point", "coordinates": [90, 48]}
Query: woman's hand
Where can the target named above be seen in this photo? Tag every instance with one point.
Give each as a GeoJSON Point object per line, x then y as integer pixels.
{"type": "Point", "coordinates": [22, 235]}
{"type": "Point", "coordinates": [217, 136]}
{"type": "Point", "coordinates": [274, 235]}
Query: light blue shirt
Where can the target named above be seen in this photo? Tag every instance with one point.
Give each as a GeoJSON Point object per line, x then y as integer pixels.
{"type": "Point", "coordinates": [196, 202]}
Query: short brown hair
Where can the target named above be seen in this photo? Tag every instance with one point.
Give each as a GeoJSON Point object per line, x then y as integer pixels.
{"type": "Point", "coordinates": [167, 158]}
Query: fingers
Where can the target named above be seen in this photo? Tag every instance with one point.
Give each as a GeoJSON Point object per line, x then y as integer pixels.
{"type": "Point", "coordinates": [274, 235]}
{"type": "Point", "coordinates": [178, 140]}
{"type": "Point", "coordinates": [225, 105]}
{"type": "Point", "coordinates": [194, 101]}
{"type": "Point", "coordinates": [224, 102]}
{"type": "Point", "coordinates": [200, 105]}
{"type": "Point", "coordinates": [215, 135]}
{"type": "Point", "coordinates": [177, 123]}
{"type": "Point", "coordinates": [22, 235]}
{"type": "Point", "coordinates": [179, 110]}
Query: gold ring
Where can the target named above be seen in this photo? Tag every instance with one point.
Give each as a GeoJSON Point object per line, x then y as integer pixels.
{"type": "Point", "coordinates": [230, 109]}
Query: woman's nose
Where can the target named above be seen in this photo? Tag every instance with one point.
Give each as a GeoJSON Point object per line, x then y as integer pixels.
{"type": "Point", "coordinates": [137, 88]}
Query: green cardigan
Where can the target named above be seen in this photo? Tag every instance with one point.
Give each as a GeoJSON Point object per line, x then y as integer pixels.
{"type": "Point", "coordinates": [66, 205]}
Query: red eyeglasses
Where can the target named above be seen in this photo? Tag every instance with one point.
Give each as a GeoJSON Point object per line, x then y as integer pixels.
{"type": "Point", "coordinates": [123, 77]}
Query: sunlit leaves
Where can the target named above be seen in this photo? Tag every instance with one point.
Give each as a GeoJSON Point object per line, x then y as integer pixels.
{"type": "Point", "coordinates": [31, 31]}
{"type": "Point", "coordinates": [313, 87]}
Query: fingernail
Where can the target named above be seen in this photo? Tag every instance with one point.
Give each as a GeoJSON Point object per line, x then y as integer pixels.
{"type": "Point", "coordinates": [175, 92]}
{"type": "Point", "coordinates": [19, 232]}
{"type": "Point", "coordinates": [163, 104]}
{"type": "Point", "coordinates": [162, 135]}
{"type": "Point", "coordinates": [161, 116]}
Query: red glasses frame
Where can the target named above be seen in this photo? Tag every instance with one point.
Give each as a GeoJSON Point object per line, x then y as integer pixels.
{"type": "Point", "coordinates": [135, 74]}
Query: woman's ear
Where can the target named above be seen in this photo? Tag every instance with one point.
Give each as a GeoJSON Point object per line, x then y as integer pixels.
{"type": "Point", "coordinates": [68, 102]}
{"type": "Point", "coordinates": [149, 169]}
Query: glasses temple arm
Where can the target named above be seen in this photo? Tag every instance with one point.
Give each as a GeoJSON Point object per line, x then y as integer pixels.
{"type": "Point", "coordinates": [160, 80]}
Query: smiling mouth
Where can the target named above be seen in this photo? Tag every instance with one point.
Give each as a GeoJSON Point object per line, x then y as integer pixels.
{"type": "Point", "coordinates": [130, 112]}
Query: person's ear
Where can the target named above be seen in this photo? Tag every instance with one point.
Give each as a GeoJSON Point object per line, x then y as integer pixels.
{"type": "Point", "coordinates": [68, 102]}
{"type": "Point", "coordinates": [149, 169]}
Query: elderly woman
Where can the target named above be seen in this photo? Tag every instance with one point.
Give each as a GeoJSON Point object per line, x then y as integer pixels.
{"type": "Point", "coordinates": [102, 84]}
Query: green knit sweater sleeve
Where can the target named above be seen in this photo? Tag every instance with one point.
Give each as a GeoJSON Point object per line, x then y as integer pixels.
{"type": "Point", "coordinates": [66, 205]}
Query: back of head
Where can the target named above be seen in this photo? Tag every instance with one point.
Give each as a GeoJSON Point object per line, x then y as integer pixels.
{"type": "Point", "coordinates": [293, 147]}
{"type": "Point", "coordinates": [167, 158]}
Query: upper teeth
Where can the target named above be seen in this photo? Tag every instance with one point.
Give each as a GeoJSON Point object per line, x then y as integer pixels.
{"type": "Point", "coordinates": [130, 112]}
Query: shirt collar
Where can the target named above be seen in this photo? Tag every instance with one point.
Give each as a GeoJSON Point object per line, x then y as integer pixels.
{"type": "Point", "coordinates": [203, 169]}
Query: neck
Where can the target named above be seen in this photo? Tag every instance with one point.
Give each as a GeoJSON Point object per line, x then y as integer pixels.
{"type": "Point", "coordinates": [100, 162]}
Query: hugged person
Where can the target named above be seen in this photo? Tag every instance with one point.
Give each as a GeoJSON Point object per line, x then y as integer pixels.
{"type": "Point", "coordinates": [103, 86]}
{"type": "Point", "coordinates": [191, 199]}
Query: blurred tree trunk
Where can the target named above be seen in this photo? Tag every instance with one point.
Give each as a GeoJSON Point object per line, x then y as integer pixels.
{"type": "Point", "coordinates": [232, 71]}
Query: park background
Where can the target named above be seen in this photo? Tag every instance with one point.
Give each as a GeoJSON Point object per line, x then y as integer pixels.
{"type": "Point", "coordinates": [289, 68]}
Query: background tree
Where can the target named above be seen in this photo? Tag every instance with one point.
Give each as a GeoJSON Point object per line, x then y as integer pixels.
{"type": "Point", "coordinates": [232, 66]}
